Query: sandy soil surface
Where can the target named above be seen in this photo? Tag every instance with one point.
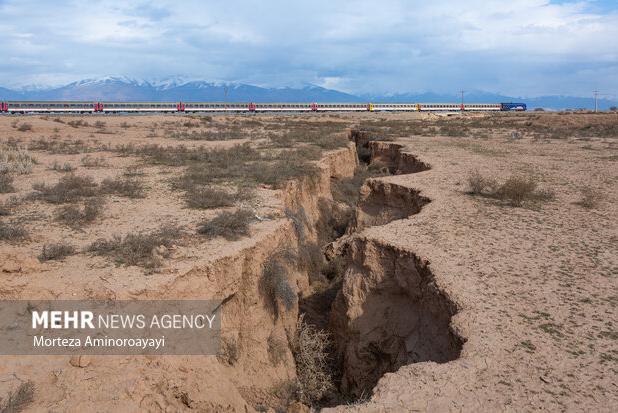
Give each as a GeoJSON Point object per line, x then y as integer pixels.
{"type": "Point", "coordinates": [534, 286]}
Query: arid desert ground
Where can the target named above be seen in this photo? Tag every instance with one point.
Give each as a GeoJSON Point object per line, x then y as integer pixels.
{"type": "Point", "coordinates": [368, 262]}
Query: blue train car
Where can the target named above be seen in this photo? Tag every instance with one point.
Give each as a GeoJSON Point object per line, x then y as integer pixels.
{"type": "Point", "coordinates": [513, 106]}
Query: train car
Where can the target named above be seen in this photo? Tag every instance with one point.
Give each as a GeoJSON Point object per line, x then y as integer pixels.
{"type": "Point", "coordinates": [133, 107]}
{"type": "Point", "coordinates": [49, 107]}
{"type": "Point", "coordinates": [226, 107]}
{"type": "Point", "coordinates": [518, 107]}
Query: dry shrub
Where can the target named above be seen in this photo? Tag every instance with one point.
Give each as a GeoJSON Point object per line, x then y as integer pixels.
{"type": "Point", "coordinates": [19, 400]}
{"type": "Point", "coordinates": [6, 182]}
{"type": "Point", "coordinates": [229, 225]}
{"type": "Point", "coordinates": [24, 127]}
{"type": "Point", "coordinates": [66, 167]}
{"type": "Point", "coordinates": [590, 198]}
{"type": "Point", "coordinates": [69, 188]}
{"type": "Point", "coordinates": [228, 352]}
{"type": "Point", "coordinates": [275, 283]}
{"type": "Point", "coordinates": [12, 232]}
{"type": "Point", "coordinates": [57, 251]}
{"type": "Point", "coordinates": [146, 249]}
{"type": "Point", "coordinates": [209, 197]}
{"type": "Point", "coordinates": [123, 186]}
{"type": "Point", "coordinates": [312, 362]}
{"type": "Point", "coordinates": [75, 217]}
{"type": "Point", "coordinates": [515, 190]}
{"type": "Point", "coordinates": [277, 348]}
{"type": "Point", "coordinates": [15, 159]}
{"type": "Point", "coordinates": [479, 184]}
{"type": "Point", "coordinates": [91, 162]}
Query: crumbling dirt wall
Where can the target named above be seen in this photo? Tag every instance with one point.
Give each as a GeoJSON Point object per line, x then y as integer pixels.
{"type": "Point", "coordinates": [389, 313]}
{"type": "Point", "coordinates": [382, 202]}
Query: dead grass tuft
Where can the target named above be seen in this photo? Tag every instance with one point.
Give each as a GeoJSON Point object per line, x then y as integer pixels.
{"type": "Point", "coordinates": [6, 182]}
{"type": "Point", "coordinates": [312, 362]}
{"type": "Point", "coordinates": [75, 217]}
{"type": "Point", "coordinates": [209, 197]}
{"type": "Point", "coordinates": [275, 282]}
{"type": "Point", "coordinates": [66, 167]}
{"type": "Point", "coordinates": [515, 190]}
{"type": "Point", "coordinates": [69, 188]}
{"type": "Point", "coordinates": [590, 198]}
{"type": "Point", "coordinates": [124, 186]}
{"type": "Point", "coordinates": [19, 400]}
{"type": "Point", "coordinates": [145, 249]}
{"type": "Point", "coordinates": [12, 232]}
{"type": "Point", "coordinates": [229, 225]}
{"type": "Point", "coordinates": [56, 252]}
{"type": "Point", "coordinates": [16, 159]}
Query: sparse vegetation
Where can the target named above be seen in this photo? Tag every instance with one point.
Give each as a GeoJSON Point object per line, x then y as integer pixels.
{"type": "Point", "coordinates": [76, 217]}
{"type": "Point", "coordinates": [69, 188]}
{"type": "Point", "coordinates": [275, 283]}
{"type": "Point", "coordinates": [12, 232]}
{"type": "Point", "coordinates": [515, 190]}
{"type": "Point", "coordinates": [590, 198]}
{"type": "Point", "coordinates": [92, 162]}
{"type": "Point", "coordinates": [312, 362]}
{"type": "Point", "coordinates": [6, 182]}
{"type": "Point", "coordinates": [124, 186]}
{"type": "Point", "coordinates": [146, 249]}
{"type": "Point", "coordinates": [66, 167]}
{"type": "Point", "coordinates": [209, 197]}
{"type": "Point", "coordinates": [24, 127]}
{"type": "Point", "coordinates": [229, 225]}
{"type": "Point", "coordinates": [19, 400]}
{"type": "Point", "coordinates": [58, 251]}
{"type": "Point", "coordinates": [16, 159]}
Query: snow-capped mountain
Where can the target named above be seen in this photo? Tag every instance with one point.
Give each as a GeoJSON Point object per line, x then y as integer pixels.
{"type": "Point", "coordinates": [113, 88]}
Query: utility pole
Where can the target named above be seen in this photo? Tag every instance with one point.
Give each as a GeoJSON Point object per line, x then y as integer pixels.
{"type": "Point", "coordinates": [596, 98]}
{"type": "Point", "coordinates": [462, 98]}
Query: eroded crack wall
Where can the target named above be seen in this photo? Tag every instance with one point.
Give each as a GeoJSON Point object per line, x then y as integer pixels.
{"type": "Point", "coordinates": [389, 313]}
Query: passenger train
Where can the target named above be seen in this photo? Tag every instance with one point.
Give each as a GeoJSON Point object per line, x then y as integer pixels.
{"type": "Point", "coordinates": [194, 107]}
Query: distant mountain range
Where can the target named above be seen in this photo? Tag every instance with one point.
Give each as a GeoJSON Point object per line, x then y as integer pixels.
{"type": "Point", "coordinates": [177, 89]}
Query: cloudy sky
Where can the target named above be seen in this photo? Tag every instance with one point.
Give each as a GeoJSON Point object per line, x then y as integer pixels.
{"type": "Point", "coordinates": [517, 47]}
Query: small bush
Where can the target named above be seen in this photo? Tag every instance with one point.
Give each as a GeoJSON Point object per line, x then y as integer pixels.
{"type": "Point", "coordinates": [208, 197]}
{"type": "Point", "coordinates": [6, 182]}
{"type": "Point", "coordinates": [12, 232]}
{"type": "Point", "coordinates": [15, 159]}
{"type": "Point", "coordinates": [57, 251]}
{"type": "Point", "coordinates": [515, 190]}
{"type": "Point", "coordinates": [73, 216]}
{"type": "Point", "coordinates": [24, 127]}
{"type": "Point", "coordinates": [590, 198]}
{"type": "Point", "coordinates": [91, 162]}
{"type": "Point", "coordinates": [312, 362]}
{"type": "Point", "coordinates": [123, 186]}
{"type": "Point", "coordinates": [229, 225]}
{"type": "Point", "coordinates": [77, 123]}
{"type": "Point", "coordinates": [275, 283]}
{"type": "Point", "coordinates": [66, 167]}
{"type": "Point", "coordinates": [68, 189]}
{"type": "Point", "coordinates": [146, 249]}
{"type": "Point", "coordinates": [18, 401]}
{"type": "Point", "coordinates": [478, 184]}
